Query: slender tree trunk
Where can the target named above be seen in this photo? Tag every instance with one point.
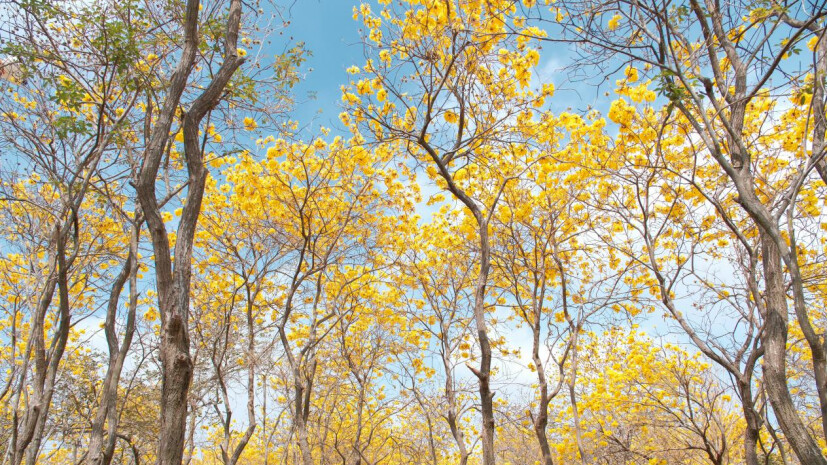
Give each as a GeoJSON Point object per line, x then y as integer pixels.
{"type": "Point", "coordinates": [573, 399]}
{"type": "Point", "coordinates": [304, 444]}
{"type": "Point", "coordinates": [432, 448]}
{"type": "Point", "coordinates": [457, 434]}
{"type": "Point", "coordinates": [484, 373]}
{"type": "Point", "coordinates": [818, 102]}
{"type": "Point", "coordinates": [815, 342]}
{"type": "Point", "coordinates": [775, 338]}
{"type": "Point", "coordinates": [47, 365]}
{"type": "Point", "coordinates": [22, 435]}
{"type": "Point", "coordinates": [300, 390]}
{"type": "Point", "coordinates": [542, 419]}
{"type": "Point", "coordinates": [753, 423]}
{"type": "Point", "coordinates": [576, 423]}
{"type": "Point", "coordinates": [232, 458]}
{"type": "Point", "coordinates": [300, 393]}
{"type": "Point", "coordinates": [299, 386]}
{"type": "Point", "coordinates": [451, 397]}
{"type": "Point", "coordinates": [108, 405]}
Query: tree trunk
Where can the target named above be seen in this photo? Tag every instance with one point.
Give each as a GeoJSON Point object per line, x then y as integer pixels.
{"type": "Point", "coordinates": [775, 338]}
{"type": "Point", "coordinates": [108, 405]}
{"type": "Point", "coordinates": [753, 423]}
{"type": "Point", "coordinates": [542, 420]}
{"type": "Point", "coordinates": [451, 398]}
{"type": "Point", "coordinates": [540, 432]}
{"type": "Point", "coordinates": [177, 368]}
{"type": "Point", "coordinates": [818, 102]}
{"type": "Point", "coordinates": [173, 282]}
{"type": "Point", "coordinates": [815, 341]}
{"type": "Point", "coordinates": [302, 441]}
{"type": "Point", "coordinates": [484, 373]}
{"type": "Point", "coordinates": [47, 365]}
{"type": "Point", "coordinates": [22, 435]}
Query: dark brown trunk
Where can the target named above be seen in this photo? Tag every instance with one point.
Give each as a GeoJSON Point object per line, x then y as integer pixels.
{"type": "Point", "coordinates": [483, 373]}
{"type": "Point", "coordinates": [540, 432]}
{"type": "Point", "coordinates": [542, 419]}
{"type": "Point", "coordinates": [177, 368]}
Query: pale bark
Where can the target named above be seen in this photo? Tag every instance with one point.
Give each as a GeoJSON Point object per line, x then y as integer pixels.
{"type": "Point", "coordinates": [230, 454]}
{"type": "Point", "coordinates": [738, 168]}
{"type": "Point", "coordinates": [542, 418]}
{"type": "Point", "coordinates": [753, 423]}
{"type": "Point", "coordinates": [301, 383]}
{"type": "Point", "coordinates": [717, 112]}
{"type": "Point", "coordinates": [818, 104]}
{"type": "Point", "coordinates": [452, 415]}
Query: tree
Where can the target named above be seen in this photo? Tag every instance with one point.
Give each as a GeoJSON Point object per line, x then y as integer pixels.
{"type": "Point", "coordinates": [441, 281]}
{"type": "Point", "coordinates": [311, 203]}
{"type": "Point", "coordinates": [645, 403]}
{"type": "Point", "coordinates": [550, 265]}
{"type": "Point", "coordinates": [65, 116]}
{"type": "Point", "coordinates": [456, 275]}
{"type": "Point", "coordinates": [78, 74]}
{"type": "Point", "coordinates": [684, 232]}
{"type": "Point", "coordinates": [235, 267]}
{"type": "Point", "coordinates": [118, 350]}
{"type": "Point", "coordinates": [173, 276]}
{"type": "Point", "coordinates": [438, 84]}
{"type": "Point", "coordinates": [712, 63]}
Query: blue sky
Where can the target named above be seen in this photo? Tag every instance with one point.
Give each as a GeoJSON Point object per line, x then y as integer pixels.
{"type": "Point", "coordinates": [332, 36]}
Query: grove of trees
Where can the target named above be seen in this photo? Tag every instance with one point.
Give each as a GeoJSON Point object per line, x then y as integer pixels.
{"type": "Point", "coordinates": [456, 272]}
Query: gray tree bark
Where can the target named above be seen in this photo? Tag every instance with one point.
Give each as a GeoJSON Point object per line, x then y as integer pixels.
{"type": "Point", "coordinates": [173, 278]}
{"type": "Point", "coordinates": [483, 372]}
{"type": "Point", "coordinates": [775, 338]}
{"type": "Point", "coordinates": [98, 453]}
